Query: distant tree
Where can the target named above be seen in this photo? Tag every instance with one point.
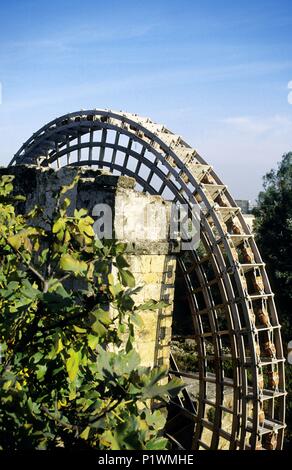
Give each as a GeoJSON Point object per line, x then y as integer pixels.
{"type": "Point", "coordinates": [274, 237]}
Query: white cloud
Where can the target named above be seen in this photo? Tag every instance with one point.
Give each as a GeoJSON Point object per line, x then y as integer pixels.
{"type": "Point", "coordinates": [83, 36]}
{"type": "Point", "coordinates": [277, 124]}
{"type": "Point", "coordinates": [244, 148]}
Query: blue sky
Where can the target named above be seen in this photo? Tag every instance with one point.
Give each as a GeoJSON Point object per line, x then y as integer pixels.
{"type": "Point", "coordinates": [216, 72]}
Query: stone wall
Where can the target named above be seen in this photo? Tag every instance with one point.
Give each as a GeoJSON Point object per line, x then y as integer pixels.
{"type": "Point", "coordinates": [156, 273]}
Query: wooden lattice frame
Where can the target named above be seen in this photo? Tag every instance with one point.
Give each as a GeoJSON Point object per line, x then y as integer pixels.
{"type": "Point", "coordinates": [162, 163]}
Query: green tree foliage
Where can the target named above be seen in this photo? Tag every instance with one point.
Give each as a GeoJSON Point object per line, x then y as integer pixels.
{"type": "Point", "coordinates": [274, 237]}
{"type": "Point", "coordinates": [69, 373]}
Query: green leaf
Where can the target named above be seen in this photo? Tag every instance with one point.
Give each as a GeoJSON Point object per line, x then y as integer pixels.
{"type": "Point", "coordinates": [93, 341]}
{"type": "Point", "coordinates": [29, 291]}
{"type": "Point", "coordinates": [152, 387]}
{"type": "Point", "coordinates": [78, 329]}
{"type": "Point", "coordinates": [114, 289]}
{"type": "Point", "coordinates": [33, 407]}
{"type": "Point", "coordinates": [159, 443]}
{"type": "Point", "coordinates": [101, 320]}
{"type": "Point", "coordinates": [43, 256]}
{"type": "Point", "coordinates": [59, 225]}
{"type": "Point", "coordinates": [152, 305]}
{"type": "Point", "coordinates": [80, 213]}
{"type": "Point", "coordinates": [72, 364]}
{"type": "Point", "coordinates": [126, 363]}
{"type": "Point", "coordinates": [137, 320]}
{"type": "Point", "coordinates": [171, 389]}
{"type": "Point", "coordinates": [22, 238]}
{"type": "Point", "coordinates": [103, 363]}
{"type": "Point", "coordinates": [155, 419]}
{"type": "Point", "coordinates": [6, 179]}
{"type": "Point", "coordinates": [121, 262]}
{"type": "Point", "coordinates": [58, 344]}
{"type": "Point", "coordinates": [68, 263]}
{"type": "Point", "coordinates": [98, 243]}
{"type": "Point", "coordinates": [72, 391]}
{"type": "Point", "coordinates": [85, 433]}
{"type": "Point", "coordinates": [15, 241]}
{"type": "Point", "coordinates": [110, 440]}
{"type": "Point", "coordinates": [85, 227]}
{"type": "Point", "coordinates": [127, 278]}
{"type": "Point", "coordinates": [41, 371]}
{"type": "Point", "coordinates": [120, 248]}
{"type": "Point", "coordinates": [37, 357]}
{"type": "Point", "coordinates": [111, 279]}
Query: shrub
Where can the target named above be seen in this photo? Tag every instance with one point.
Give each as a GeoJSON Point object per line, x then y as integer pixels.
{"type": "Point", "coordinates": [70, 376]}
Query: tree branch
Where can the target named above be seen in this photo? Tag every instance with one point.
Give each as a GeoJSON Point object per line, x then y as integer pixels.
{"type": "Point", "coordinates": [59, 422]}
{"type": "Point", "coordinates": [107, 410]}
